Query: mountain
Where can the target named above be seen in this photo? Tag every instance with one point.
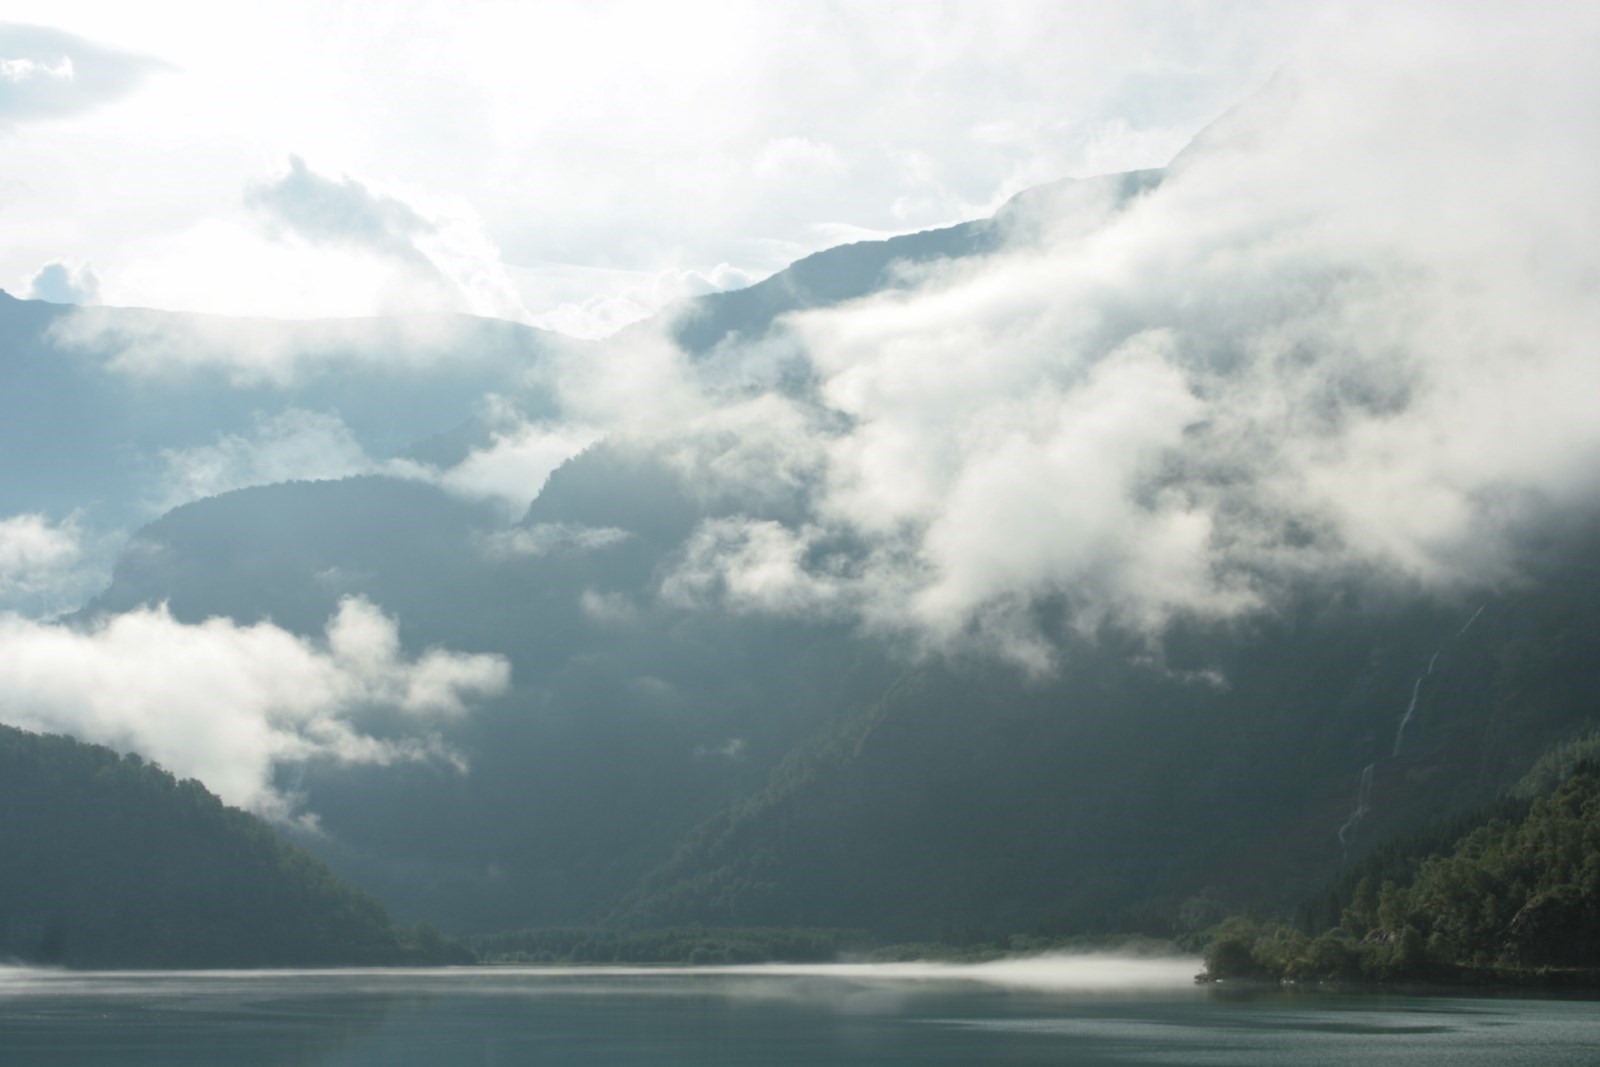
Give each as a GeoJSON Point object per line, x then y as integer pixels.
{"type": "Point", "coordinates": [1510, 896]}
{"type": "Point", "coordinates": [964, 800]}
{"type": "Point", "coordinates": [670, 765]}
{"type": "Point", "coordinates": [112, 862]}
{"type": "Point", "coordinates": [115, 415]}
{"type": "Point", "coordinates": [664, 758]}
{"type": "Point", "coordinates": [629, 720]}
{"type": "Point", "coordinates": [847, 272]}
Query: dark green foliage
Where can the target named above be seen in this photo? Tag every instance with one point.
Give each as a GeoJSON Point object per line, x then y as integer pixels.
{"type": "Point", "coordinates": [1398, 858]}
{"type": "Point", "coordinates": [1513, 899]}
{"type": "Point", "coordinates": [106, 860]}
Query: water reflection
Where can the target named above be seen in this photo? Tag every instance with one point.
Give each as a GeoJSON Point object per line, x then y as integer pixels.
{"type": "Point", "coordinates": [1087, 1011]}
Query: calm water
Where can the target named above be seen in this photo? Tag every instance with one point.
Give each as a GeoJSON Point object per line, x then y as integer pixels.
{"type": "Point", "coordinates": [1082, 1012]}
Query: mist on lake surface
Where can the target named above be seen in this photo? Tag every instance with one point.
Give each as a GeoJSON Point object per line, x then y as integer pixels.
{"type": "Point", "coordinates": [1091, 1010]}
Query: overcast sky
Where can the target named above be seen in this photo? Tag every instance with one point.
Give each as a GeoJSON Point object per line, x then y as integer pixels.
{"type": "Point", "coordinates": [563, 163]}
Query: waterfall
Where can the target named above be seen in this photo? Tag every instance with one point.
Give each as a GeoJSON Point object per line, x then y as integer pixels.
{"type": "Point", "coordinates": [1411, 708]}
{"type": "Point", "coordinates": [1363, 803]}
{"type": "Point", "coordinates": [1364, 788]}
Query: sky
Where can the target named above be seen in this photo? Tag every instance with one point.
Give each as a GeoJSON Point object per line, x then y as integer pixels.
{"type": "Point", "coordinates": [570, 165]}
{"type": "Point", "coordinates": [1351, 335]}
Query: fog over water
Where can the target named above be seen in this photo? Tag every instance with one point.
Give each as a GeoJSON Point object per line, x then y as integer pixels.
{"type": "Point", "coordinates": [1087, 1010]}
{"type": "Point", "coordinates": [1080, 972]}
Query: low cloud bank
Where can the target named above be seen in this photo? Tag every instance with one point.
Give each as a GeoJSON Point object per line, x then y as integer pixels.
{"type": "Point", "coordinates": [1087, 972]}
{"type": "Point", "coordinates": [301, 445]}
{"type": "Point", "coordinates": [1352, 333]}
{"type": "Point", "coordinates": [231, 704]}
{"type": "Point", "coordinates": [283, 353]}
{"type": "Point", "coordinates": [46, 566]}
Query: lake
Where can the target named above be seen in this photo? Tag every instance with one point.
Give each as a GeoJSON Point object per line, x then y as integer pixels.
{"type": "Point", "coordinates": [1084, 1011]}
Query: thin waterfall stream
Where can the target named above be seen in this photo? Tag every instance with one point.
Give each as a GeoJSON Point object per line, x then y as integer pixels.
{"type": "Point", "coordinates": [1363, 805]}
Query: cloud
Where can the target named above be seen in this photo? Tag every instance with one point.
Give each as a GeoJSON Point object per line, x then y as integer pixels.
{"type": "Point", "coordinates": [300, 445]}
{"type": "Point", "coordinates": [49, 74]}
{"type": "Point", "coordinates": [605, 313]}
{"type": "Point", "coordinates": [62, 284]}
{"type": "Point", "coordinates": [37, 558]}
{"type": "Point", "coordinates": [752, 565]}
{"type": "Point", "coordinates": [293, 445]}
{"type": "Point", "coordinates": [231, 704]}
{"type": "Point", "coordinates": [618, 138]}
{"type": "Point", "coordinates": [514, 466]}
{"type": "Point", "coordinates": [607, 609]}
{"type": "Point", "coordinates": [542, 539]}
{"type": "Point", "coordinates": [732, 750]}
{"type": "Point", "coordinates": [251, 352]}
{"type": "Point", "coordinates": [322, 210]}
{"type": "Point", "coordinates": [29, 543]}
{"type": "Point", "coordinates": [798, 159]}
{"type": "Point", "coordinates": [1351, 334]}
{"type": "Point", "coordinates": [448, 262]}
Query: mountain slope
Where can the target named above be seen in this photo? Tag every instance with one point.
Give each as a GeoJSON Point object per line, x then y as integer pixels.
{"type": "Point", "coordinates": [629, 719]}
{"type": "Point", "coordinates": [116, 413]}
{"type": "Point", "coordinates": [667, 758]}
{"type": "Point", "coordinates": [1109, 796]}
{"type": "Point", "coordinates": [111, 862]}
{"type": "Point", "coordinates": [847, 272]}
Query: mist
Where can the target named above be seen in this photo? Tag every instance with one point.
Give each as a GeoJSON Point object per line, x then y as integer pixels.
{"type": "Point", "coordinates": [1349, 335]}
{"type": "Point", "coordinates": [232, 704]}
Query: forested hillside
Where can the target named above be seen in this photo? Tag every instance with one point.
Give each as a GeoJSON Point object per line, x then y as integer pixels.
{"type": "Point", "coordinates": [1515, 899]}
{"type": "Point", "coordinates": [108, 861]}
{"type": "Point", "coordinates": [1121, 797]}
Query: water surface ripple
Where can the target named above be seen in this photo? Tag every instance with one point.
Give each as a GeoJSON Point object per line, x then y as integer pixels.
{"type": "Point", "coordinates": [1084, 1011]}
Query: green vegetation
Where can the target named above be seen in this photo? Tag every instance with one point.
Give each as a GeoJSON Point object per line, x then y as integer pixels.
{"type": "Point", "coordinates": [1517, 899]}
{"type": "Point", "coordinates": [108, 861]}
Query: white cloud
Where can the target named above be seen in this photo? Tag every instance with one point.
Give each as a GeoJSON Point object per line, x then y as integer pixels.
{"type": "Point", "coordinates": [17, 71]}
{"type": "Point", "coordinates": [513, 468]}
{"type": "Point", "coordinates": [251, 352]}
{"type": "Point", "coordinates": [798, 159]}
{"type": "Point", "coordinates": [541, 539]}
{"type": "Point", "coordinates": [620, 305]}
{"type": "Point", "coordinates": [1353, 330]}
{"type": "Point", "coordinates": [1352, 333]}
{"type": "Point", "coordinates": [45, 73]}
{"type": "Point", "coordinates": [230, 704]}
{"type": "Point", "coordinates": [60, 283]}
{"type": "Point", "coordinates": [37, 558]}
{"type": "Point", "coordinates": [300, 445]}
{"type": "Point", "coordinates": [293, 445]}
{"type": "Point", "coordinates": [443, 263]}
{"type": "Point", "coordinates": [607, 609]}
{"type": "Point", "coordinates": [626, 137]}
{"type": "Point", "coordinates": [322, 210]}
{"type": "Point", "coordinates": [751, 565]}
{"type": "Point", "coordinates": [30, 543]}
